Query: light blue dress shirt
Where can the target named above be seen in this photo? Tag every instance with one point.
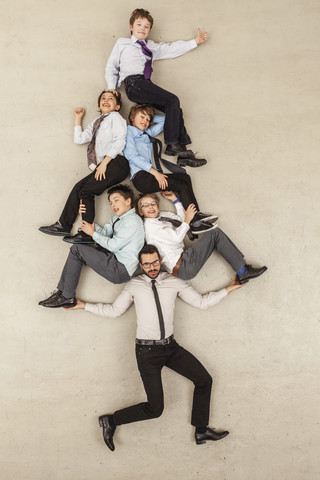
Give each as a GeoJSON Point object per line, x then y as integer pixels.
{"type": "Point", "coordinates": [127, 239]}
{"type": "Point", "coordinates": [138, 149]}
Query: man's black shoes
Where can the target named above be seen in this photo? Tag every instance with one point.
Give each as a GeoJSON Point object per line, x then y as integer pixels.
{"type": "Point", "coordinates": [80, 237]}
{"type": "Point", "coordinates": [57, 300]}
{"type": "Point", "coordinates": [209, 434]}
{"type": "Point", "coordinates": [249, 273]}
{"type": "Point", "coordinates": [107, 431]}
{"type": "Point", "coordinates": [54, 229]}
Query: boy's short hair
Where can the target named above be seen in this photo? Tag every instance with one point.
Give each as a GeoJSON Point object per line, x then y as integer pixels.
{"type": "Point", "coordinates": [148, 249]}
{"type": "Point", "coordinates": [125, 191]}
{"type": "Point", "coordinates": [151, 195]}
{"type": "Point", "coordinates": [117, 97]}
{"type": "Point", "coordinates": [144, 108]}
{"type": "Point", "coordinates": [140, 13]}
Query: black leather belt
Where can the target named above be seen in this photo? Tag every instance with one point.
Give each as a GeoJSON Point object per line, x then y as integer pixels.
{"type": "Point", "coordinates": [165, 341]}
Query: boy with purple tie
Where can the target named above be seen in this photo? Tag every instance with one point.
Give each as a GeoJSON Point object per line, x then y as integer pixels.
{"type": "Point", "coordinates": [130, 63]}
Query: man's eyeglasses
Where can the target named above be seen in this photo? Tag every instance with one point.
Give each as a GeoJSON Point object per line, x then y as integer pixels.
{"type": "Point", "coordinates": [156, 263]}
{"type": "Point", "coordinates": [146, 205]}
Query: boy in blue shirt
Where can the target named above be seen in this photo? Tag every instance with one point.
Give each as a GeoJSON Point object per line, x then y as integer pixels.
{"type": "Point", "coordinates": [130, 63]}
{"type": "Point", "coordinates": [106, 136]}
{"type": "Point", "coordinates": [149, 179]}
{"type": "Point", "coordinates": [116, 258]}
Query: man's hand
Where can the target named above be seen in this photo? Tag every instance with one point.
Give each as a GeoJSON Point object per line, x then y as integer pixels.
{"type": "Point", "coordinates": [201, 37]}
{"type": "Point", "coordinates": [234, 285]}
{"type": "Point", "coordinates": [169, 195]}
{"type": "Point", "coordinates": [87, 228]}
{"type": "Point", "coordinates": [161, 179]}
{"type": "Point", "coordinates": [190, 213]}
{"type": "Point", "coordinates": [78, 114]}
{"type": "Point", "coordinates": [78, 306]}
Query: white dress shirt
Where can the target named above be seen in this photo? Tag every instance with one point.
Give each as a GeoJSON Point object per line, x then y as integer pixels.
{"type": "Point", "coordinates": [127, 57]}
{"type": "Point", "coordinates": [139, 291]}
{"type": "Point", "coordinates": [167, 238]}
{"type": "Point", "coordinates": [110, 137]}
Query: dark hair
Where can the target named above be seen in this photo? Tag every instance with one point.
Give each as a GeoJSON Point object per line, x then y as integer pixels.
{"type": "Point", "coordinates": [140, 13]}
{"type": "Point", "coordinates": [147, 250]}
{"type": "Point", "coordinates": [117, 97]}
{"type": "Point", "coordinates": [142, 196]}
{"type": "Point", "coordinates": [144, 108]}
{"type": "Point", "coordinates": [124, 190]}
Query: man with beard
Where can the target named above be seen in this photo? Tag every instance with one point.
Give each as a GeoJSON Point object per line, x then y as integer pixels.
{"type": "Point", "coordinates": [154, 294]}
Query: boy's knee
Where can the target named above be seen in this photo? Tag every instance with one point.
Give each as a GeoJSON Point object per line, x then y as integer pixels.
{"type": "Point", "coordinates": [174, 100]}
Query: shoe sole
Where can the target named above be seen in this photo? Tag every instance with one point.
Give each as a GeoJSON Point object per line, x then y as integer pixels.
{"type": "Point", "coordinates": [214, 225]}
{"type": "Point", "coordinates": [79, 243]}
{"type": "Point", "coordinates": [188, 164]}
{"type": "Point", "coordinates": [211, 219]}
{"type": "Point", "coordinates": [55, 234]}
{"type": "Point", "coordinates": [69, 305]}
{"type": "Point", "coordinates": [201, 442]}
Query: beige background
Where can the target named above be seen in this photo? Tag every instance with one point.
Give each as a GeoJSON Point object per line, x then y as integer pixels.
{"type": "Point", "coordinates": [251, 98]}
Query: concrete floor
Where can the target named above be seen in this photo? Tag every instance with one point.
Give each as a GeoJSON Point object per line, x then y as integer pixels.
{"type": "Point", "coordinates": [250, 98]}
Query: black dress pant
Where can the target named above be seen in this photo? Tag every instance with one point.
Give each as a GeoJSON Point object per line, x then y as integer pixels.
{"type": "Point", "coordinates": [150, 361]}
{"type": "Point", "coordinates": [140, 90]}
{"type": "Point", "coordinates": [89, 187]}
{"type": "Point", "coordinates": [180, 183]}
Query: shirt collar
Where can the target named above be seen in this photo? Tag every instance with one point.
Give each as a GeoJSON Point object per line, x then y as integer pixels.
{"type": "Point", "coordinates": [135, 39]}
{"type": "Point", "coordinates": [158, 280]}
{"type": "Point", "coordinates": [130, 212]}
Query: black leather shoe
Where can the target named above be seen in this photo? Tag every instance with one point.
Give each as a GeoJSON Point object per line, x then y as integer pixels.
{"type": "Point", "coordinates": [250, 272]}
{"type": "Point", "coordinates": [107, 431]}
{"type": "Point", "coordinates": [191, 161]}
{"type": "Point", "coordinates": [54, 229]}
{"type": "Point", "coordinates": [174, 149]}
{"type": "Point", "coordinates": [209, 434]}
{"type": "Point", "coordinates": [57, 300]}
{"type": "Point", "coordinates": [202, 227]}
{"type": "Point", "coordinates": [205, 217]}
{"type": "Point", "coordinates": [80, 237]}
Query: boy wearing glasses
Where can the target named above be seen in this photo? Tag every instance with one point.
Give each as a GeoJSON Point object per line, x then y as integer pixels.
{"type": "Point", "coordinates": [167, 230]}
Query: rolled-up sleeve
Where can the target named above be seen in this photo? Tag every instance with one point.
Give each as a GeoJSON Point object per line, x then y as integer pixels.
{"type": "Point", "coordinates": [112, 310]}
{"type": "Point", "coordinates": [202, 302]}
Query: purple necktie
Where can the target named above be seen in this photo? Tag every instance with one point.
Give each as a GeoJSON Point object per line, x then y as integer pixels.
{"type": "Point", "coordinates": [91, 153]}
{"type": "Point", "coordinates": [148, 65]}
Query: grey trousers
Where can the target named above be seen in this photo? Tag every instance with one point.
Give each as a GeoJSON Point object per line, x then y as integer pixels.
{"type": "Point", "coordinates": [196, 256]}
{"type": "Point", "coordinates": [103, 262]}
